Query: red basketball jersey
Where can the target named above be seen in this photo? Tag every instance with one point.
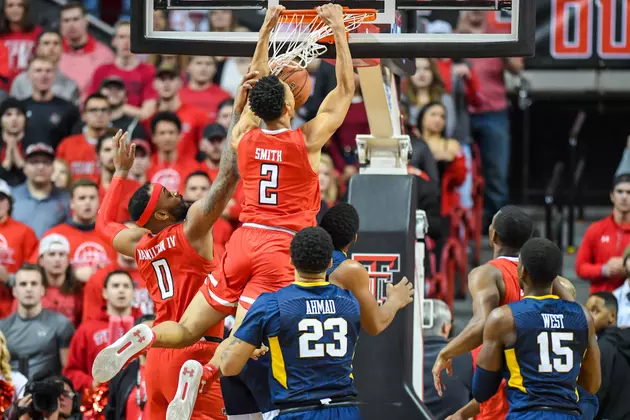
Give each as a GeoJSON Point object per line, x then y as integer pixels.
{"type": "Point", "coordinates": [281, 189]}
{"type": "Point", "coordinates": [174, 272]}
{"type": "Point", "coordinates": [497, 407]}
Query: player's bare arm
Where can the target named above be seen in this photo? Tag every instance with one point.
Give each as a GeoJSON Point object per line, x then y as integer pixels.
{"type": "Point", "coordinates": [352, 276]}
{"type": "Point", "coordinates": [121, 237]}
{"type": "Point", "coordinates": [235, 356]}
{"type": "Point", "coordinates": [483, 286]}
{"type": "Point", "coordinates": [260, 60]}
{"type": "Point", "coordinates": [590, 377]}
{"type": "Point", "coordinates": [204, 213]}
{"type": "Point", "coordinates": [335, 106]}
{"type": "Point", "coordinates": [500, 330]}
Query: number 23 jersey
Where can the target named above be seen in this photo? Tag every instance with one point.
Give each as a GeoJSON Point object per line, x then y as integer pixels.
{"type": "Point", "coordinates": [174, 272]}
{"type": "Point", "coordinates": [281, 189]}
{"type": "Point", "coordinates": [311, 330]}
{"type": "Point", "coordinates": [543, 365]}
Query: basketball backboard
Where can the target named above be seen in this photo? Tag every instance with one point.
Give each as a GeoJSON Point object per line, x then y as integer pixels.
{"type": "Point", "coordinates": [403, 30]}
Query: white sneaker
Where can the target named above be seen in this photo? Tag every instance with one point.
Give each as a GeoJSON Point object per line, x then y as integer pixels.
{"type": "Point", "coordinates": [190, 377]}
{"type": "Point", "coordinates": [115, 357]}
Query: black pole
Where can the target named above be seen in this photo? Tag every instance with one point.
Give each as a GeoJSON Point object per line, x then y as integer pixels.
{"type": "Point", "coordinates": [550, 199]}
{"type": "Point", "coordinates": [573, 142]}
{"type": "Point", "coordinates": [524, 103]}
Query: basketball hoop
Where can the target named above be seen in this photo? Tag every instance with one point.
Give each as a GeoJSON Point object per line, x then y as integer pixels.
{"type": "Point", "coordinates": [297, 39]}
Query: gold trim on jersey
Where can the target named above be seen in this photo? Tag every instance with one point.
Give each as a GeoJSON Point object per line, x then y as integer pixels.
{"type": "Point", "coordinates": [541, 297]}
{"type": "Point", "coordinates": [311, 283]}
{"type": "Point", "coordinates": [277, 362]}
{"type": "Point", "coordinates": [516, 380]}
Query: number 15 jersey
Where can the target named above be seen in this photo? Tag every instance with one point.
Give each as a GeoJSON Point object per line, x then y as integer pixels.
{"type": "Point", "coordinates": [311, 330]}
{"type": "Point", "coordinates": [281, 189]}
{"type": "Point", "coordinates": [543, 365]}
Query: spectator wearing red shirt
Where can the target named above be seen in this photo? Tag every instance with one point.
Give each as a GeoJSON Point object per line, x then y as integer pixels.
{"type": "Point", "coordinates": [168, 167]}
{"type": "Point", "coordinates": [88, 252]}
{"type": "Point", "coordinates": [96, 334]}
{"type": "Point", "coordinates": [196, 186]}
{"type": "Point", "coordinates": [137, 76]}
{"type": "Point", "coordinates": [142, 162]}
{"type": "Point", "coordinates": [94, 304]}
{"type": "Point", "coordinates": [18, 34]}
{"type": "Point", "coordinates": [105, 149]}
{"type": "Point", "coordinates": [82, 53]}
{"type": "Point", "coordinates": [447, 153]}
{"type": "Point", "coordinates": [79, 150]}
{"type": "Point", "coordinates": [17, 243]}
{"type": "Point", "coordinates": [211, 145]}
{"type": "Point", "coordinates": [490, 119]}
{"type": "Point", "coordinates": [192, 119]}
{"type": "Point", "coordinates": [200, 91]}
{"type": "Point", "coordinates": [64, 293]}
{"type": "Point", "coordinates": [600, 256]}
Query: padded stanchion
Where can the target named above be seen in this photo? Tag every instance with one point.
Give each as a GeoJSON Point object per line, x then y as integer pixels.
{"type": "Point", "coordinates": [388, 368]}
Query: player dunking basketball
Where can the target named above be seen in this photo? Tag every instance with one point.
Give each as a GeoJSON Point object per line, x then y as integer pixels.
{"type": "Point", "coordinates": [279, 170]}
{"type": "Point", "coordinates": [173, 249]}
{"type": "Point", "coordinates": [491, 285]}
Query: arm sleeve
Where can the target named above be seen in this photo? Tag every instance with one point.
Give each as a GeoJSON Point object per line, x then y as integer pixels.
{"type": "Point", "coordinates": [585, 267]}
{"type": "Point", "coordinates": [77, 370]}
{"type": "Point", "coordinates": [252, 329]}
{"type": "Point", "coordinates": [106, 224]}
{"type": "Point", "coordinates": [624, 165]}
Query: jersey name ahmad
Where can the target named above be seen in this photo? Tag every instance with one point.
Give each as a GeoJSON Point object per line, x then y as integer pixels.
{"type": "Point", "coordinates": [320, 307]}
{"type": "Point", "coordinates": [269, 155]}
{"type": "Point", "coordinates": [154, 251]}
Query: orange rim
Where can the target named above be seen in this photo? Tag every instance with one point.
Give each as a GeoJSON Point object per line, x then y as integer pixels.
{"type": "Point", "coordinates": [309, 15]}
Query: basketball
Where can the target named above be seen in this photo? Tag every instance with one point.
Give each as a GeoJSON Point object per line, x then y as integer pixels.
{"type": "Point", "coordinates": [300, 83]}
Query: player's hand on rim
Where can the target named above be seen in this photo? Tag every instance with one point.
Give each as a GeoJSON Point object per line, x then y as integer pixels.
{"type": "Point", "coordinates": [125, 153]}
{"type": "Point", "coordinates": [441, 363]}
{"type": "Point", "coordinates": [273, 16]}
{"type": "Point", "coordinates": [401, 293]}
{"type": "Point", "coordinates": [331, 15]}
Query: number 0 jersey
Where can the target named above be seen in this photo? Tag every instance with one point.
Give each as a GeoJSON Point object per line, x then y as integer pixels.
{"type": "Point", "coordinates": [174, 272]}
{"type": "Point", "coordinates": [311, 330]}
{"type": "Point", "coordinates": [281, 189]}
{"type": "Point", "coordinates": [542, 367]}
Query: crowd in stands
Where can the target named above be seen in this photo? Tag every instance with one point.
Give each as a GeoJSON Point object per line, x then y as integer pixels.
{"type": "Point", "coordinates": [65, 294]}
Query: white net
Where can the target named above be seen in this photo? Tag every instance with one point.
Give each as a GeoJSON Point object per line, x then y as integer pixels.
{"type": "Point", "coordinates": [294, 41]}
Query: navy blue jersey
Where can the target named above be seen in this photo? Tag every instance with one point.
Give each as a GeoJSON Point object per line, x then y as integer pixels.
{"type": "Point", "coordinates": [311, 330]}
{"type": "Point", "coordinates": [338, 257]}
{"type": "Point", "coordinates": [543, 365]}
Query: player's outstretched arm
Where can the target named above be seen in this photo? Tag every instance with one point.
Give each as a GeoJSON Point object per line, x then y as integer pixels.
{"type": "Point", "coordinates": [482, 284]}
{"type": "Point", "coordinates": [260, 61]}
{"type": "Point", "coordinates": [590, 377]}
{"type": "Point", "coordinates": [122, 238]}
{"type": "Point", "coordinates": [352, 276]}
{"type": "Point", "coordinates": [499, 328]}
{"type": "Point", "coordinates": [335, 106]}
{"type": "Point", "coordinates": [204, 212]}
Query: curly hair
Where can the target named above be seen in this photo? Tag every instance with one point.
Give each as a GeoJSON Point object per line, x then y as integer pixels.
{"type": "Point", "coordinates": [513, 226]}
{"type": "Point", "coordinates": [342, 224]}
{"type": "Point", "coordinates": [5, 358]}
{"type": "Point", "coordinates": [311, 250]}
{"type": "Point", "coordinates": [267, 98]}
{"type": "Point", "coordinates": [139, 201]}
{"type": "Point", "coordinates": [543, 261]}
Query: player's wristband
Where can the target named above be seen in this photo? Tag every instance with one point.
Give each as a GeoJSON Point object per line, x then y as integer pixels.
{"type": "Point", "coordinates": [485, 384]}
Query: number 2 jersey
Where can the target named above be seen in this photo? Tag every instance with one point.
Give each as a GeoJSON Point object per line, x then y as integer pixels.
{"type": "Point", "coordinates": [174, 272]}
{"type": "Point", "coordinates": [311, 330]}
{"type": "Point", "coordinates": [281, 189]}
{"type": "Point", "coordinates": [542, 367]}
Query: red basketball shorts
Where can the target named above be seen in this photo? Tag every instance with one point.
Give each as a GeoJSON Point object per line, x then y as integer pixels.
{"type": "Point", "coordinates": [162, 374]}
{"type": "Point", "coordinates": [256, 260]}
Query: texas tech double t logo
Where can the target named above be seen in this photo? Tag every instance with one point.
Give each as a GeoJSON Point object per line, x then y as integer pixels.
{"type": "Point", "coordinates": [381, 268]}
